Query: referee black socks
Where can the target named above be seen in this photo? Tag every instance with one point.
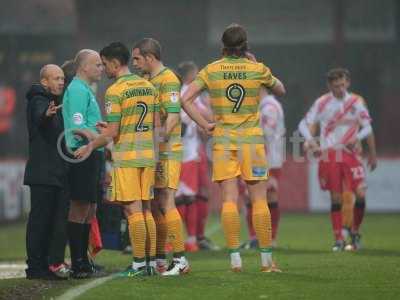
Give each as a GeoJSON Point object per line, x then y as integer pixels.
{"type": "Point", "coordinates": [75, 234]}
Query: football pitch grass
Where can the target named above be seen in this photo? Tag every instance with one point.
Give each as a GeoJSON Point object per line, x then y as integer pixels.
{"type": "Point", "coordinates": [310, 269]}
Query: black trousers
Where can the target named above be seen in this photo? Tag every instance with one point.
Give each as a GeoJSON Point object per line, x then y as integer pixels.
{"type": "Point", "coordinates": [46, 232]}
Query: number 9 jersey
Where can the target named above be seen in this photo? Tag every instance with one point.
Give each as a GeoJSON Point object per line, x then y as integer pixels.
{"type": "Point", "coordinates": [238, 144]}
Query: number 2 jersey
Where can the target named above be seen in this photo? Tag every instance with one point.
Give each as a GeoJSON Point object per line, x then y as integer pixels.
{"type": "Point", "coordinates": [132, 101]}
{"type": "Point", "coordinates": [234, 87]}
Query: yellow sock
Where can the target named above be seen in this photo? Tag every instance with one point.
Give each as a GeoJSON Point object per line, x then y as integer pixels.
{"type": "Point", "coordinates": [261, 218]}
{"type": "Point", "coordinates": [161, 234]}
{"type": "Point", "coordinates": [137, 233]}
{"type": "Point", "coordinates": [231, 224]}
{"type": "Point", "coordinates": [347, 209]}
{"type": "Point", "coordinates": [151, 235]}
{"type": "Point", "coordinates": [175, 231]}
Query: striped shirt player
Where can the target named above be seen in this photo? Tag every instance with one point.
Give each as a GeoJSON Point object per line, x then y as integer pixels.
{"type": "Point", "coordinates": [132, 101]}
{"type": "Point", "coordinates": [273, 125]}
{"type": "Point", "coordinates": [234, 84]}
{"type": "Point", "coordinates": [341, 122]}
{"type": "Point", "coordinates": [170, 153]}
{"type": "Point", "coordinates": [191, 177]}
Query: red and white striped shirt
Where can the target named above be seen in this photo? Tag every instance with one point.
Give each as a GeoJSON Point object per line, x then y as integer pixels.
{"type": "Point", "coordinates": [273, 125]}
{"type": "Point", "coordinates": [191, 139]}
{"type": "Point", "coordinates": [339, 119]}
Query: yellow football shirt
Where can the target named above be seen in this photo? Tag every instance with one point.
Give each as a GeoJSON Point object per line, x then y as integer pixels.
{"type": "Point", "coordinates": [132, 101]}
{"type": "Point", "coordinates": [168, 86]}
{"type": "Point", "coordinates": [234, 87]}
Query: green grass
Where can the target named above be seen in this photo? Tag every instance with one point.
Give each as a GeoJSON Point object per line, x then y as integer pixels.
{"type": "Point", "coordinates": [311, 270]}
{"type": "Point", "coordinates": [12, 242]}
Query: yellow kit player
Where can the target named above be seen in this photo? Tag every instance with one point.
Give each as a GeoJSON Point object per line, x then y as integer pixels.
{"type": "Point", "coordinates": [131, 104]}
{"type": "Point", "coordinates": [234, 83]}
{"type": "Point", "coordinates": [146, 56]}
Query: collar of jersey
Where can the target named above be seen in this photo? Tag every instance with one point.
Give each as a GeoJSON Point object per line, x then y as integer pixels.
{"type": "Point", "coordinates": [345, 98]}
{"type": "Point", "coordinates": [83, 82]}
{"type": "Point", "coordinates": [126, 75]}
{"type": "Point", "coordinates": [159, 73]}
{"type": "Point", "coordinates": [232, 57]}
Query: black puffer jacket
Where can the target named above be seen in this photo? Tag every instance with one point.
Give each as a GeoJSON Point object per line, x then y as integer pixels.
{"type": "Point", "coordinates": [44, 165]}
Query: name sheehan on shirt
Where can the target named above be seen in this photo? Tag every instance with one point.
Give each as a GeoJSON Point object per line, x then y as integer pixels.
{"type": "Point", "coordinates": [137, 92]}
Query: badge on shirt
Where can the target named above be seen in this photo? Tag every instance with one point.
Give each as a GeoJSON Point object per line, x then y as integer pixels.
{"type": "Point", "coordinates": [77, 118]}
{"type": "Point", "coordinates": [259, 171]}
{"type": "Point", "coordinates": [174, 97]}
{"type": "Point", "coordinates": [108, 107]}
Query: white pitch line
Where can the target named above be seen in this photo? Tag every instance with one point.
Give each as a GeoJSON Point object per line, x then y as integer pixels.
{"type": "Point", "coordinates": [12, 266]}
{"type": "Point", "coordinates": [75, 292]}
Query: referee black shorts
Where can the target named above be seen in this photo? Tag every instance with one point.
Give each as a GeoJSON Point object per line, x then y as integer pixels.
{"type": "Point", "coordinates": [84, 178]}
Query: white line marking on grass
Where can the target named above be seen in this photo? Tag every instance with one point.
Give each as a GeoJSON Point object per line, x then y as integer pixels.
{"type": "Point", "coordinates": [77, 291]}
{"type": "Point", "coordinates": [12, 270]}
{"type": "Point", "coordinates": [12, 266]}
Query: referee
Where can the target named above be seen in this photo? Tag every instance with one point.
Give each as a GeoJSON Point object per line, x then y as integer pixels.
{"type": "Point", "coordinates": [81, 112]}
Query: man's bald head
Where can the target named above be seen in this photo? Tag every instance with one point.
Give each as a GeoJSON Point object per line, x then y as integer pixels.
{"type": "Point", "coordinates": [88, 65]}
{"type": "Point", "coordinates": [49, 69]}
{"type": "Point", "coordinates": [82, 57]}
{"type": "Point", "coordinates": [52, 79]}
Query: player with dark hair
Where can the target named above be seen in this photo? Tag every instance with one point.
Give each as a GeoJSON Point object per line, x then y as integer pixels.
{"type": "Point", "coordinates": [344, 121]}
{"type": "Point", "coordinates": [131, 105]}
{"type": "Point", "coordinates": [234, 84]}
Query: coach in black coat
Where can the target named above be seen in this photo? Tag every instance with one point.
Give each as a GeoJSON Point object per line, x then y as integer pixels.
{"type": "Point", "coordinates": [45, 174]}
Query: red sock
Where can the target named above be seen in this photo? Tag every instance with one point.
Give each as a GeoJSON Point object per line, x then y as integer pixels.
{"type": "Point", "coordinates": [359, 210]}
{"type": "Point", "coordinates": [336, 218]}
{"type": "Point", "coordinates": [202, 214]}
{"type": "Point", "coordinates": [191, 219]}
{"type": "Point", "coordinates": [275, 216]}
{"type": "Point", "coordinates": [182, 211]}
{"type": "Point", "coordinates": [250, 227]}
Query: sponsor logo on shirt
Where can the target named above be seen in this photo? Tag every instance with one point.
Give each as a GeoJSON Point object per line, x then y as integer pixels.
{"type": "Point", "coordinates": [174, 97]}
{"type": "Point", "coordinates": [259, 171]}
{"type": "Point", "coordinates": [77, 118]}
{"type": "Point", "coordinates": [108, 107]}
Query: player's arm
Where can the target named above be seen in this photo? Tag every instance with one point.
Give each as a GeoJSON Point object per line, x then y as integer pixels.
{"type": "Point", "coordinates": [172, 121]}
{"type": "Point", "coordinates": [109, 134]}
{"type": "Point", "coordinates": [367, 133]}
{"type": "Point", "coordinates": [269, 120]}
{"type": "Point", "coordinates": [273, 84]}
{"type": "Point", "coordinates": [169, 98]}
{"type": "Point", "coordinates": [205, 107]}
{"type": "Point", "coordinates": [308, 128]}
{"type": "Point", "coordinates": [372, 160]}
{"type": "Point", "coordinates": [278, 89]}
{"type": "Point", "coordinates": [188, 98]}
